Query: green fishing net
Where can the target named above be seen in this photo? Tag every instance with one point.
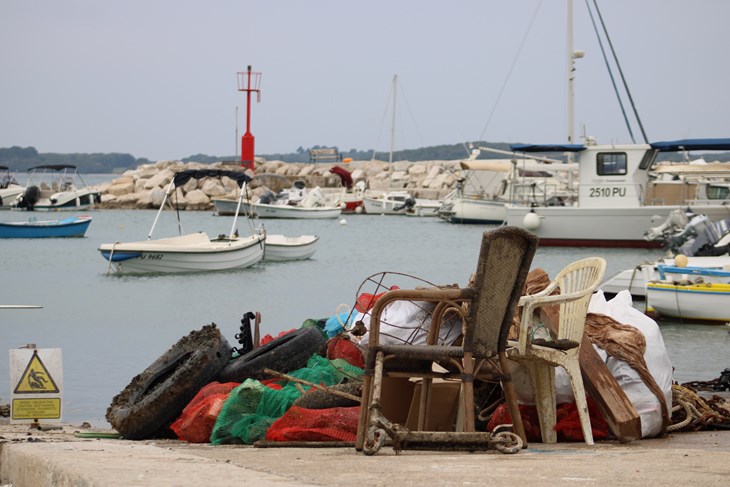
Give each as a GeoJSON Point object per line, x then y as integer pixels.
{"type": "Point", "coordinates": [251, 407]}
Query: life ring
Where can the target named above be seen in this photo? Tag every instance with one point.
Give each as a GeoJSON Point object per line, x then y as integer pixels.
{"type": "Point", "coordinates": [283, 354]}
{"type": "Point", "coordinates": [157, 396]}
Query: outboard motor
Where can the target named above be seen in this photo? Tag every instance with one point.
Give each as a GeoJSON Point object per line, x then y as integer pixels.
{"type": "Point", "coordinates": [29, 198]}
{"type": "Point", "coordinates": [408, 204]}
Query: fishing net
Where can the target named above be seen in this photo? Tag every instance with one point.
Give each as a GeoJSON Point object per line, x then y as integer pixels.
{"type": "Point", "coordinates": [252, 407]}
{"type": "Point", "coordinates": [198, 418]}
{"type": "Point", "coordinates": [300, 424]}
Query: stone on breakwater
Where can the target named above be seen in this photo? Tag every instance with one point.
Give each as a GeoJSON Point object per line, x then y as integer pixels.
{"type": "Point", "coordinates": [144, 187]}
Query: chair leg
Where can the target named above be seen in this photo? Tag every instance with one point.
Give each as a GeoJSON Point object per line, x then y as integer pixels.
{"type": "Point", "coordinates": [542, 377]}
{"type": "Point", "coordinates": [511, 398]}
{"type": "Point", "coordinates": [576, 382]}
{"type": "Point", "coordinates": [363, 421]}
{"type": "Point", "coordinates": [468, 388]}
{"type": "Point", "coordinates": [424, 409]}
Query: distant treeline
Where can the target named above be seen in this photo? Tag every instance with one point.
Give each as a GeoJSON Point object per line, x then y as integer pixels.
{"type": "Point", "coordinates": [22, 158]}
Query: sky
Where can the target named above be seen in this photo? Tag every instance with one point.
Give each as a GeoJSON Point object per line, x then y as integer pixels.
{"type": "Point", "coordinates": [158, 78]}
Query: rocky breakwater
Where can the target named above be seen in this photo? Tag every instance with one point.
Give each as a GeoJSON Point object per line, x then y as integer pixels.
{"type": "Point", "coordinates": [145, 186]}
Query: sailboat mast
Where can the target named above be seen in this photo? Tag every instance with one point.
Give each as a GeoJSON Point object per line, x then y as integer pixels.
{"type": "Point", "coordinates": [392, 123]}
{"type": "Point", "coordinates": [571, 70]}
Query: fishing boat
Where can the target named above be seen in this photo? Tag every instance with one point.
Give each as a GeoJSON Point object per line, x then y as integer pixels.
{"type": "Point", "coordinates": [350, 195]}
{"type": "Point", "coordinates": [691, 298]}
{"type": "Point", "coordinates": [193, 252]}
{"type": "Point", "coordinates": [56, 187]}
{"type": "Point", "coordinates": [9, 188]}
{"type": "Point", "coordinates": [67, 227]}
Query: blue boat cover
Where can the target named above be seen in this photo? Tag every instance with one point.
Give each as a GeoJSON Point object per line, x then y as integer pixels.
{"type": "Point", "coordinates": [183, 177]}
{"type": "Point", "coordinates": [547, 147]}
{"type": "Point", "coordinates": [692, 144]}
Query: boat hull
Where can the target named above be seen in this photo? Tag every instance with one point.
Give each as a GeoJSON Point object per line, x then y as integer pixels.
{"type": "Point", "coordinates": [281, 211]}
{"type": "Point", "coordinates": [66, 228]}
{"type": "Point", "coordinates": [570, 226]}
{"type": "Point", "coordinates": [281, 248]}
{"type": "Point", "coordinates": [187, 253]}
{"type": "Point", "coordinates": [474, 211]}
{"type": "Point", "coordinates": [701, 302]}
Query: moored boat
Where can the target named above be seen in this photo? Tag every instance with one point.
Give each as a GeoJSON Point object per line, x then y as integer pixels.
{"type": "Point", "coordinates": [282, 248]}
{"type": "Point", "coordinates": [704, 301]}
{"type": "Point", "coordinates": [9, 188]}
{"type": "Point", "coordinates": [192, 252]}
{"type": "Point", "coordinates": [67, 227]}
{"type": "Point", "coordinates": [56, 187]}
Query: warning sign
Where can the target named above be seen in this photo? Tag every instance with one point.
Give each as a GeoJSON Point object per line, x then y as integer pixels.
{"type": "Point", "coordinates": [36, 379]}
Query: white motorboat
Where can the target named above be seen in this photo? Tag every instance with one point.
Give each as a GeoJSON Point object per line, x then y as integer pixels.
{"type": "Point", "coordinates": [56, 187]}
{"type": "Point", "coordinates": [192, 252]}
{"type": "Point", "coordinates": [296, 202]}
{"type": "Point", "coordinates": [486, 186]}
{"type": "Point", "coordinates": [387, 203]}
{"type": "Point", "coordinates": [283, 248]}
{"type": "Point", "coordinates": [693, 240]}
{"type": "Point", "coordinates": [422, 207]}
{"type": "Point", "coordinates": [9, 188]}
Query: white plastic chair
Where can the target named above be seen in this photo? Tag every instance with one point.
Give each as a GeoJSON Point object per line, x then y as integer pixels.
{"type": "Point", "coordinates": [571, 290]}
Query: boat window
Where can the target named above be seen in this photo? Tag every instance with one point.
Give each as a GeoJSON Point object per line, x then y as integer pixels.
{"type": "Point", "coordinates": [611, 163]}
{"type": "Point", "coordinates": [717, 192]}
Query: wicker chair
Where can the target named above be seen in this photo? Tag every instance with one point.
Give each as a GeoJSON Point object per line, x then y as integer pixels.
{"type": "Point", "coordinates": [486, 311]}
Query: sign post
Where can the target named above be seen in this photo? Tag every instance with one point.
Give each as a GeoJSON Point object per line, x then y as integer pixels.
{"type": "Point", "coordinates": [36, 385]}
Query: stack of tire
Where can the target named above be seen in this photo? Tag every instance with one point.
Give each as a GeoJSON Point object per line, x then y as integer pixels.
{"type": "Point", "coordinates": [157, 396]}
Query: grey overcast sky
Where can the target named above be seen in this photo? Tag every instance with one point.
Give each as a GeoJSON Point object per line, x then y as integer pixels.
{"type": "Point", "coordinates": [157, 78]}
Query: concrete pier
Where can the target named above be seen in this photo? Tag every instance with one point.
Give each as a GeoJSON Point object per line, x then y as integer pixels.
{"type": "Point", "coordinates": [33, 458]}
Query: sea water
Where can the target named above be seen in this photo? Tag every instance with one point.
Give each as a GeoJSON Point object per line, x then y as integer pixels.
{"type": "Point", "coordinates": [111, 327]}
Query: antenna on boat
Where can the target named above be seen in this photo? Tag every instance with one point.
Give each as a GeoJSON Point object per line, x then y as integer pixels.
{"type": "Point", "coordinates": [572, 56]}
{"type": "Point", "coordinates": [249, 82]}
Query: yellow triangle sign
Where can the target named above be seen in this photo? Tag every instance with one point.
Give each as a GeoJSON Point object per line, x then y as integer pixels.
{"type": "Point", "coordinates": [36, 379]}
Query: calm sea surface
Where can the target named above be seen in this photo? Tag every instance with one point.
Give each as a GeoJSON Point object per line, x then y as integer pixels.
{"type": "Point", "coordinates": [112, 327]}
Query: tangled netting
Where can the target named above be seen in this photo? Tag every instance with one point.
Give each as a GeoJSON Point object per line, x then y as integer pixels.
{"type": "Point", "coordinates": [253, 406]}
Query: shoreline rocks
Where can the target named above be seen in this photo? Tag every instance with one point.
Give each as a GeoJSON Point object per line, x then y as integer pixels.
{"type": "Point", "coordinates": [145, 186]}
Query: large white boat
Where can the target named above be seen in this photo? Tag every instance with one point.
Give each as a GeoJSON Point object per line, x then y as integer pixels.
{"type": "Point", "coordinates": [191, 252]}
{"type": "Point", "coordinates": [387, 202]}
{"type": "Point", "coordinates": [618, 198]}
{"type": "Point", "coordinates": [56, 187]}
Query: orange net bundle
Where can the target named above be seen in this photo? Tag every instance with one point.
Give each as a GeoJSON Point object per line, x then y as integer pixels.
{"type": "Point", "coordinates": [198, 418]}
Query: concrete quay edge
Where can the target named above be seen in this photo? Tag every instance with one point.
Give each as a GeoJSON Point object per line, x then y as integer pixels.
{"type": "Point", "coordinates": [58, 458]}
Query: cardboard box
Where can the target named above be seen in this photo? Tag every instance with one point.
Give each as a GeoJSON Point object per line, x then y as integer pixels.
{"type": "Point", "coordinates": [396, 397]}
{"type": "Point", "coordinates": [444, 406]}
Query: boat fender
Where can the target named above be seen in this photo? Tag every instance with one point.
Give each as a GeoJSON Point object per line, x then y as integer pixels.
{"type": "Point", "coordinates": [531, 221]}
{"type": "Point", "coordinates": [157, 396]}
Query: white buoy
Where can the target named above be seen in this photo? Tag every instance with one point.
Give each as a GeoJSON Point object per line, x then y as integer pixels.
{"type": "Point", "coordinates": [343, 222]}
{"type": "Point", "coordinates": [531, 221]}
{"type": "Point", "coordinates": [358, 209]}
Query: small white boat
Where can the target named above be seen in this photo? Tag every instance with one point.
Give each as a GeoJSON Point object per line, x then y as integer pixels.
{"type": "Point", "coordinates": [282, 248]}
{"type": "Point", "coordinates": [56, 187]}
{"type": "Point", "coordinates": [293, 203]}
{"type": "Point", "coordinates": [9, 188]}
{"type": "Point", "coordinates": [388, 203]}
{"type": "Point", "coordinates": [697, 302]}
{"type": "Point", "coordinates": [190, 252]}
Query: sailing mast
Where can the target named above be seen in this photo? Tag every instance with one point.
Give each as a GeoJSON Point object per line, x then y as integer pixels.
{"type": "Point", "coordinates": [392, 123]}
{"type": "Point", "coordinates": [572, 56]}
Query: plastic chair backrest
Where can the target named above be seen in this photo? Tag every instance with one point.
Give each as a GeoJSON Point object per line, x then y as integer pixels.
{"type": "Point", "coordinates": [579, 280]}
{"type": "Point", "coordinates": [504, 262]}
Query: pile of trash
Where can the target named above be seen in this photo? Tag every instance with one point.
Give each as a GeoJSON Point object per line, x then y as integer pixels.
{"type": "Point", "coordinates": [304, 385]}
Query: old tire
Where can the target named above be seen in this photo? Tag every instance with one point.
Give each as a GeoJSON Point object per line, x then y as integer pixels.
{"type": "Point", "coordinates": [283, 354]}
{"type": "Point", "coordinates": [157, 396]}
